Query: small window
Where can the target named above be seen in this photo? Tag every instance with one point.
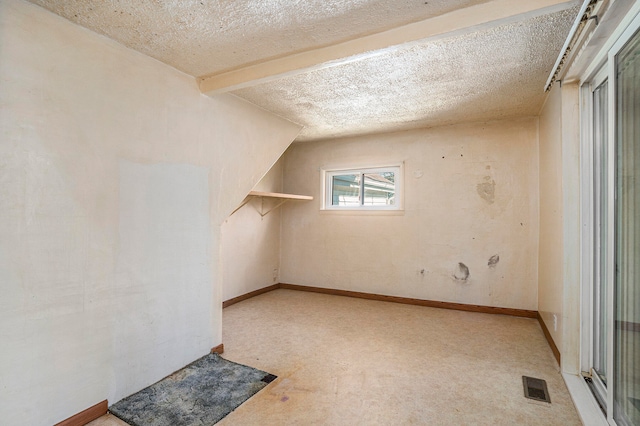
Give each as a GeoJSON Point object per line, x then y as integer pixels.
{"type": "Point", "coordinates": [367, 189]}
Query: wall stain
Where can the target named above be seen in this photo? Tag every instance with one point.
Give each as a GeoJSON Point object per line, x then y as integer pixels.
{"type": "Point", "coordinates": [493, 261]}
{"type": "Point", "coordinates": [487, 189]}
{"type": "Point", "coordinates": [462, 272]}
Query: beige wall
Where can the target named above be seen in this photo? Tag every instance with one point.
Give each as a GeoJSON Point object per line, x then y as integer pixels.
{"type": "Point", "coordinates": [446, 219]}
{"type": "Point", "coordinates": [550, 252]}
{"type": "Point", "coordinates": [559, 249]}
{"type": "Point", "coordinates": [116, 175]}
{"type": "Point", "coordinates": [250, 246]}
{"type": "Point", "coordinates": [571, 220]}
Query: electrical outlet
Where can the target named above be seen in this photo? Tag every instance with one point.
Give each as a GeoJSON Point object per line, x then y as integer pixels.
{"type": "Point", "coordinates": [275, 275]}
{"type": "Point", "coordinates": [555, 322]}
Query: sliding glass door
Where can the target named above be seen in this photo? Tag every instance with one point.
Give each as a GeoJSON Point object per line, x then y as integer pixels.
{"type": "Point", "coordinates": [614, 128]}
{"type": "Point", "coordinates": [626, 342]}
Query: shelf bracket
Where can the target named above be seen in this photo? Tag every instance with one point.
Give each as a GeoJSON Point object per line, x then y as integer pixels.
{"type": "Point", "coordinates": [264, 213]}
{"type": "Point", "coordinates": [282, 198]}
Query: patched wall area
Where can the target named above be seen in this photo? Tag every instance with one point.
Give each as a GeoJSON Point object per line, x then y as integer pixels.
{"type": "Point", "coordinates": [468, 232]}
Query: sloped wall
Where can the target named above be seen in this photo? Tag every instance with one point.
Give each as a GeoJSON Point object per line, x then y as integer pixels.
{"type": "Point", "coordinates": [250, 246]}
{"type": "Point", "coordinates": [449, 216]}
{"type": "Point", "coordinates": [116, 175]}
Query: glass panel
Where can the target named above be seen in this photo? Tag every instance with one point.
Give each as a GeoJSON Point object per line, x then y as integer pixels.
{"type": "Point", "coordinates": [627, 286]}
{"type": "Point", "coordinates": [600, 117]}
{"type": "Point", "coordinates": [379, 189]}
{"type": "Point", "coordinates": [345, 190]}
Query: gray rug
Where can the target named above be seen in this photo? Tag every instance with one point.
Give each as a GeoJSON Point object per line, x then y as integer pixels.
{"type": "Point", "coordinates": [202, 393]}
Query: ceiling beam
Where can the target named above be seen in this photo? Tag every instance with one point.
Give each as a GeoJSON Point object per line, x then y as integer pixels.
{"type": "Point", "coordinates": [455, 23]}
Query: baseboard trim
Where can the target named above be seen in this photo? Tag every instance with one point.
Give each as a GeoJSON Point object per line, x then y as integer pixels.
{"type": "Point", "coordinates": [419, 302]}
{"type": "Point", "coordinates": [86, 416]}
{"type": "Point", "coordinates": [218, 349]}
{"type": "Point", "coordinates": [395, 299]}
{"type": "Point", "coordinates": [407, 301]}
{"type": "Point", "coordinates": [552, 344]}
{"type": "Point", "coordinates": [249, 295]}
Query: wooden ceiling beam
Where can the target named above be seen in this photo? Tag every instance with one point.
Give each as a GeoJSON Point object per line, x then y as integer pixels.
{"type": "Point", "coordinates": [455, 23]}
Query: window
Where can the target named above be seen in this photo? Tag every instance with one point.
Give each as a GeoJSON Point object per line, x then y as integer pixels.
{"type": "Point", "coordinates": [363, 189]}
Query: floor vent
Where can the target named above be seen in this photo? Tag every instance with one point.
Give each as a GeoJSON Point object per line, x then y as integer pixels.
{"type": "Point", "coordinates": [535, 389]}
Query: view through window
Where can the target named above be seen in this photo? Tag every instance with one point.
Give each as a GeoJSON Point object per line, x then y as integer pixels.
{"type": "Point", "coordinates": [372, 188]}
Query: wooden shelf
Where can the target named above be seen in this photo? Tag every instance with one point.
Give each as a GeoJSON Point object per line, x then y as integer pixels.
{"type": "Point", "coordinates": [281, 199]}
{"type": "Point", "coordinates": [279, 195]}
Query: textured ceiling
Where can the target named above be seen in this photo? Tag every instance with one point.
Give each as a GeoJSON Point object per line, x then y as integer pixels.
{"type": "Point", "coordinates": [487, 73]}
{"type": "Point", "coordinates": [484, 75]}
{"type": "Point", "coordinates": [202, 37]}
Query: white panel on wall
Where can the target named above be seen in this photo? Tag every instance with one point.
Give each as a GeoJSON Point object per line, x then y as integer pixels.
{"type": "Point", "coordinates": [164, 262]}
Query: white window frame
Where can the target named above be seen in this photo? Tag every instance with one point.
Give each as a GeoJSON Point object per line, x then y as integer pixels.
{"type": "Point", "coordinates": [329, 172]}
{"type": "Point", "coordinates": [603, 66]}
{"type": "Point", "coordinates": [588, 215]}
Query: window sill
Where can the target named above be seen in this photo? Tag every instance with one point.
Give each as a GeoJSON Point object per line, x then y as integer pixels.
{"type": "Point", "coordinates": [584, 401]}
{"type": "Point", "coordinates": [362, 212]}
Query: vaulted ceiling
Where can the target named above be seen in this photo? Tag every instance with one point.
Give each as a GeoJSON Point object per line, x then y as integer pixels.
{"type": "Point", "coordinates": [346, 67]}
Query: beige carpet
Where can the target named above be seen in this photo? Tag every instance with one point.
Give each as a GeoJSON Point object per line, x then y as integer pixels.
{"type": "Point", "coordinates": [345, 361]}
